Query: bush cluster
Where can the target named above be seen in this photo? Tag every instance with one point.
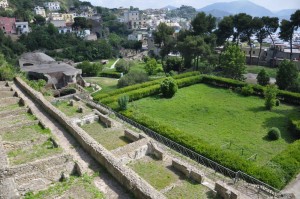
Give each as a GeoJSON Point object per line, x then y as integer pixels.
{"type": "Point", "coordinates": [247, 90]}
{"type": "Point", "coordinates": [110, 74]}
{"type": "Point", "coordinates": [133, 77]}
{"type": "Point", "coordinates": [168, 87]}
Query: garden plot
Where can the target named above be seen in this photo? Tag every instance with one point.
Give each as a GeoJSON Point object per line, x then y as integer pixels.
{"type": "Point", "coordinates": [71, 108]}
{"type": "Point", "coordinates": [110, 138]}
{"type": "Point", "coordinates": [74, 187]}
{"type": "Point", "coordinates": [165, 178]}
{"type": "Point", "coordinates": [222, 118]}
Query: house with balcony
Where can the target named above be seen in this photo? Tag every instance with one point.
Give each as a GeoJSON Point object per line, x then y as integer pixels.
{"type": "Point", "coordinates": [22, 27]}
{"type": "Point", "coordinates": [52, 6]}
{"type": "Point", "coordinates": [4, 4]}
{"type": "Point", "coordinates": [135, 20]}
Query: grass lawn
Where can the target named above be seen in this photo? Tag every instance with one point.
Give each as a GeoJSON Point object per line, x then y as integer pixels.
{"type": "Point", "coordinates": [189, 189]}
{"type": "Point", "coordinates": [256, 69]}
{"type": "Point", "coordinates": [219, 117]}
{"type": "Point", "coordinates": [154, 172]}
{"type": "Point", "coordinates": [22, 156]}
{"type": "Point", "coordinates": [9, 107]}
{"type": "Point", "coordinates": [110, 138]}
{"type": "Point", "coordinates": [107, 84]}
{"type": "Point", "coordinates": [75, 187]}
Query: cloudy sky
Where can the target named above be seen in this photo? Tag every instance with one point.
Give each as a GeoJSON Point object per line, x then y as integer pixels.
{"type": "Point", "coordinates": [273, 5]}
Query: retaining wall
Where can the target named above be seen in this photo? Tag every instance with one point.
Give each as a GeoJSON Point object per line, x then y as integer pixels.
{"type": "Point", "coordinates": [188, 170]}
{"type": "Point", "coordinates": [225, 191]}
{"type": "Point", "coordinates": [103, 118]}
{"type": "Point", "coordinates": [139, 187]}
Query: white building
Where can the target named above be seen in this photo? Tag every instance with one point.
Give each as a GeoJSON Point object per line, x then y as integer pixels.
{"type": "Point", "coordinates": [135, 20]}
{"type": "Point", "coordinates": [3, 4]}
{"type": "Point", "coordinates": [40, 11]}
{"type": "Point", "coordinates": [131, 16]}
{"type": "Point", "coordinates": [65, 30]}
{"type": "Point", "coordinates": [22, 27]}
{"type": "Point", "coordinates": [52, 6]}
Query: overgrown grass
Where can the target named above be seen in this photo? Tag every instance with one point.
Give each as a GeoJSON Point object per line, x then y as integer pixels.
{"type": "Point", "coordinates": [71, 111]}
{"type": "Point", "coordinates": [106, 84]}
{"type": "Point", "coordinates": [9, 107]}
{"type": "Point", "coordinates": [22, 156]}
{"type": "Point", "coordinates": [154, 172]}
{"type": "Point", "coordinates": [30, 133]}
{"type": "Point", "coordinates": [110, 138]}
{"type": "Point", "coordinates": [222, 118]}
{"type": "Point", "coordinates": [189, 189]}
{"type": "Point", "coordinates": [75, 187]}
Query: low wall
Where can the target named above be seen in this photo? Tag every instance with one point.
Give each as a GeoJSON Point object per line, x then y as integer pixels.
{"type": "Point", "coordinates": [87, 120]}
{"type": "Point", "coordinates": [132, 136]}
{"type": "Point", "coordinates": [129, 179]}
{"type": "Point", "coordinates": [156, 151]}
{"type": "Point", "coordinates": [97, 107]}
{"type": "Point", "coordinates": [103, 118]}
{"type": "Point", "coordinates": [225, 191]}
{"type": "Point", "coordinates": [188, 170]}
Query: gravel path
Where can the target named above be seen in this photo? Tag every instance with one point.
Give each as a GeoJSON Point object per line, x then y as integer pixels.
{"type": "Point", "coordinates": [251, 78]}
{"type": "Point", "coordinates": [113, 66]}
{"type": "Point", "coordinates": [105, 182]}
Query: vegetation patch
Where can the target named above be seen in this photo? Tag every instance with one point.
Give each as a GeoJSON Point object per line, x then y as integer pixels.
{"type": "Point", "coordinates": [71, 111]}
{"type": "Point", "coordinates": [190, 189]}
{"type": "Point", "coordinates": [154, 172]}
{"type": "Point", "coordinates": [106, 84]}
{"type": "Point", "coordinates": [110, 138]}
{"type": "Point", "coordinates": [22, 156]}
{"type": "Point", "coordinates": [75, 187]}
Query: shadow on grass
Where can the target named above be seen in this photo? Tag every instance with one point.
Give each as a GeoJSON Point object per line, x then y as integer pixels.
{"type": "Point", "coordinates": [282, 124]}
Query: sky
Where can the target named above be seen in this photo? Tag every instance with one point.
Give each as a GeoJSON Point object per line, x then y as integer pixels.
{"type": "Point", "coordinates": [273, 5]}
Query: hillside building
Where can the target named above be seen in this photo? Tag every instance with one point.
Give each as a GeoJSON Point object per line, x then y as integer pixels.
{"type": "Point", "coordinates": [7, 25]}
{"type": "Point", "coordinates": [22, 27]}
{"type": "Point", "coordinates": [4, 4]}
{"type": "Point", "coordinates": [40, 11]}
{"type": "Point", "coordinates": [52, 6]}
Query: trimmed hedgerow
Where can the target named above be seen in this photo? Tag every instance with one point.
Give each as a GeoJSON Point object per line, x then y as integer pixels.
{"type": "Point", "coordinates": [110, 74]}
{"type": "Point", "coordinates": [99, 96]}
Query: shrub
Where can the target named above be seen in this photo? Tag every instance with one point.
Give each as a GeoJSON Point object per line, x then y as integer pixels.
{"type": "Point", "coordinates": [247, 90]}
{"type": "Point", "coordinates": [270, 96]}
{"type": "Point", "coordinates": [123, 66]}
{"type": "Point", "coordinates": [168, 87]}
{"type": "Point", "coordinates": [173, 64]}
{"type": "Point", "coordinates": [263, 78]}
{"type": "Point", "coordinates": [133, 77]}
{"type": "Point", "coordinates": [90, 69]}
{"type": "Point", "coordinates": [274, 133]}
{"type": "Point", "coordinates": [123, 102]}
{"type": "Point", "coordinates": [151, 67]}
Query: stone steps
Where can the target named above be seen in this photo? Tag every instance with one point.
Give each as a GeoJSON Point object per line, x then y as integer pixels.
{"type": "Point", "coordinates": [11, 146]}
{"type": "Point", "coordinates": [17, 126]}
{"type": "Point", "coordinates": [9, 101]}
{"type": "Point", "coordinates": [9, 121]}
{"type": "Point", "coordinates": [5, 94]}
{"type": "Point", "coordinates": [5, 88]}
{"type": "Point", "coordinates": [17, 111]}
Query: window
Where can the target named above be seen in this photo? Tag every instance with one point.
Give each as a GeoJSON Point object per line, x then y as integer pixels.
{"type": "Point", "coordinates": [249, 52]}
{"type": "Point", "coordinates": [24, 26]}
{"type": "Point", "coordinates": [253, 52]}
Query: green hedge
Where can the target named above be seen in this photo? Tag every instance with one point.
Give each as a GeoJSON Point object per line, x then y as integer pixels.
{"type": "Point", "coordinates": [99, 96]}
{"type": "Point", "coordinates": [227, 159]}
{"type": "Point", "coordinates": [110, 74]}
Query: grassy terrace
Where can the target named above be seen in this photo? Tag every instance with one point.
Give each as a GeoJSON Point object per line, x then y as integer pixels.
{"type": "Point", "coordinates": [110, 138]}
{"type": "Point", "coordinates": [219, 117]}
{"type": "Point", "coordinates": [107, 84]}
{"type": "Point", "coordinates": [72, 111]}
{"type": "Point", "coordinates": [256, 69]}
{"type": "Point", "coordinates": [75, 187]}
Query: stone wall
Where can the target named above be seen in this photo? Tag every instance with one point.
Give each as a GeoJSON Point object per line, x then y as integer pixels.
{"type": "Point", "coordinates": [129, 179]}
{"type": "Point", "coordinates": [188, 170]}
{"type": "Point", "coordinates": [225, 191]}
{"type": "Point", "coordinates": [132, 136]}
{"type": "Point", "coordinates": [103, 118]}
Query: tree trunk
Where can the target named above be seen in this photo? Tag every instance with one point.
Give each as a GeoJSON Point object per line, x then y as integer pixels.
{"type": "Point", "coordinates": [291, 48]}
{"type": "Point", "coordinates": [250, 51]}
{"type": "Point", "coordinates": [260, 45]}
{"type": "Point", "coordinates": [197, 63]}
{"type": "Point", "coordinates": [274, 51]}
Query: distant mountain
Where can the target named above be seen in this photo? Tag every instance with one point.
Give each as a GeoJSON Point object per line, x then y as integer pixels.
{"type": "Point", "coordinates": [218, 13]}
{"type": "Point", "coordinates": [169, 7]}
{"type": "Point", "coordinates": [235, 7]}
{"type": "Point", "coordinates": [285, 14]}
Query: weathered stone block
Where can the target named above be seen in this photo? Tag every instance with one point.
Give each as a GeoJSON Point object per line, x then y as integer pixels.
{"type": "Point", "coordinates": [181, 166]}
{"type": "Point", "coordinates": [132, 136]}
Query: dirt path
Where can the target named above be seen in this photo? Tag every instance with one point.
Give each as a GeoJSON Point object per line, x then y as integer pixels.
{"type": "Point", "coordinates": [251, 78]}
{"type": "Point", "coordinates": [114, 64]}
{"type": "Point", "coordinates": [105, 183]}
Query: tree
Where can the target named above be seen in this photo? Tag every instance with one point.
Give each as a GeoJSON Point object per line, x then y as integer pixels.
{"type": "Point", "coordinates": [286, 33]}
{"type": "Point", "coordinates": [225, 30]}
{"type": "Point", "coordinates": [163, 38]}
{"type": "Point", "coordinates": [173, 64]}
{"type": "Point", "coordinates": [123, 102]}
{"type": "Point", "coordinates": [287, 75]}
{"type": "Point", "coordinates": [39, 20]}
{"type": "Point", "coordinates": [151, 67]}
{"type": "Point", "coordinates": [81, 23]}
{"type": "Point", "coordinates": [271, 25]}
{"type": "Point", "coordinates": [233, 62]}
{"type": "Point", "coordinates": [261, 34]}
{"type": "Point", "coordinates": [270, 96]}
{"type": "Point", "coordinates": [90, 69]}
{"type": "Point", "coordinates": [133, 77]}
{"type": "Point", "coordinates": [168, 87]}
{"type": "Point", "coordinates": [123, 66]}
{"type": "Point", "coordinates": [203, 24]}
{"type": "Point", "coordinates": [241, 22]}
{"type": "Point", "coordinates": [263, 78]}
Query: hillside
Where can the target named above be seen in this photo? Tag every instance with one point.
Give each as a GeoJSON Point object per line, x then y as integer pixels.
{"type": "Point", "coordinates": [29, 4]}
